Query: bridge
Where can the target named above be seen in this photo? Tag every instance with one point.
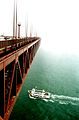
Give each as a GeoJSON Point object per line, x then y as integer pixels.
{"type": "Point", "coordinates": [16, 56]}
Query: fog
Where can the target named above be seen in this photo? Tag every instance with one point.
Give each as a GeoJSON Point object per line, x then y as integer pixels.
{"type": "Point", "coordinates": [55, 21]}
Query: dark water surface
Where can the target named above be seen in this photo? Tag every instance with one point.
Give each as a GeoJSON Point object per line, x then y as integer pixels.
{"type": "Point", "coordinates": [57, 74]}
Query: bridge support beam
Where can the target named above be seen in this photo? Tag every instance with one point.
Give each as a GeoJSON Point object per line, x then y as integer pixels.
{"type": "Point", "coordinates": [13, 70]}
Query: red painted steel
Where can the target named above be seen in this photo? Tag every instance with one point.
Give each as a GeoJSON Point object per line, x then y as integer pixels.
{"type": "Point", "coordinates": [14, 67]}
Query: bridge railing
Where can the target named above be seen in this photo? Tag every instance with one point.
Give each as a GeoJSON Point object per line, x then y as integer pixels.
{"type": "Point", "coordinates": [6, 43]}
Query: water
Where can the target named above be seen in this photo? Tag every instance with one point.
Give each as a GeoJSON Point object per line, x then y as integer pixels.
{"type": "Point", "coordinates": [57, 74]}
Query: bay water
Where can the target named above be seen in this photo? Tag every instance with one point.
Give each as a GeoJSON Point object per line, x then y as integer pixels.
{"type": "Point", "coordinates": [57, 74]}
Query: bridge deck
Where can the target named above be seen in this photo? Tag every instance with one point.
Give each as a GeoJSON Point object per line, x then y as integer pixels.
{"type": "Point", "coordinates": [14, 67]}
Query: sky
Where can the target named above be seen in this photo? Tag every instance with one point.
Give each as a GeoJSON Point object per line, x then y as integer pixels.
{"type": "Point", "coordinates": [55, 21]}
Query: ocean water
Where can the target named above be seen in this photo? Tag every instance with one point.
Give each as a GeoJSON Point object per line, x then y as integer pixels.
{"type": "Point", "coordinates": [57, 74]}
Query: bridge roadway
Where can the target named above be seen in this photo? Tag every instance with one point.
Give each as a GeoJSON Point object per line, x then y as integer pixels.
{"type": "Point", "coordinates": [16, 57]}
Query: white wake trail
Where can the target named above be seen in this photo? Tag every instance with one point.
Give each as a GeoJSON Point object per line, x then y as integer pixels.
{"type": "Point", "coordinates": [61, 99]}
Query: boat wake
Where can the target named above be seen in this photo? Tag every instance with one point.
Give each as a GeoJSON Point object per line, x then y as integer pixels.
{"type": "Point", "coordinates": [61, 99]}
{"type": "Point", "coordinates": [49, 97]}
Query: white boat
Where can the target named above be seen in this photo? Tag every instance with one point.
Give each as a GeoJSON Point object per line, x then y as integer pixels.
{"type": "Point", "coordinates": [34, 93]}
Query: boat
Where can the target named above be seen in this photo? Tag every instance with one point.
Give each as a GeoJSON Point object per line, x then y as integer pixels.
{"type": "Point", "coordinates": [41, 94]}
